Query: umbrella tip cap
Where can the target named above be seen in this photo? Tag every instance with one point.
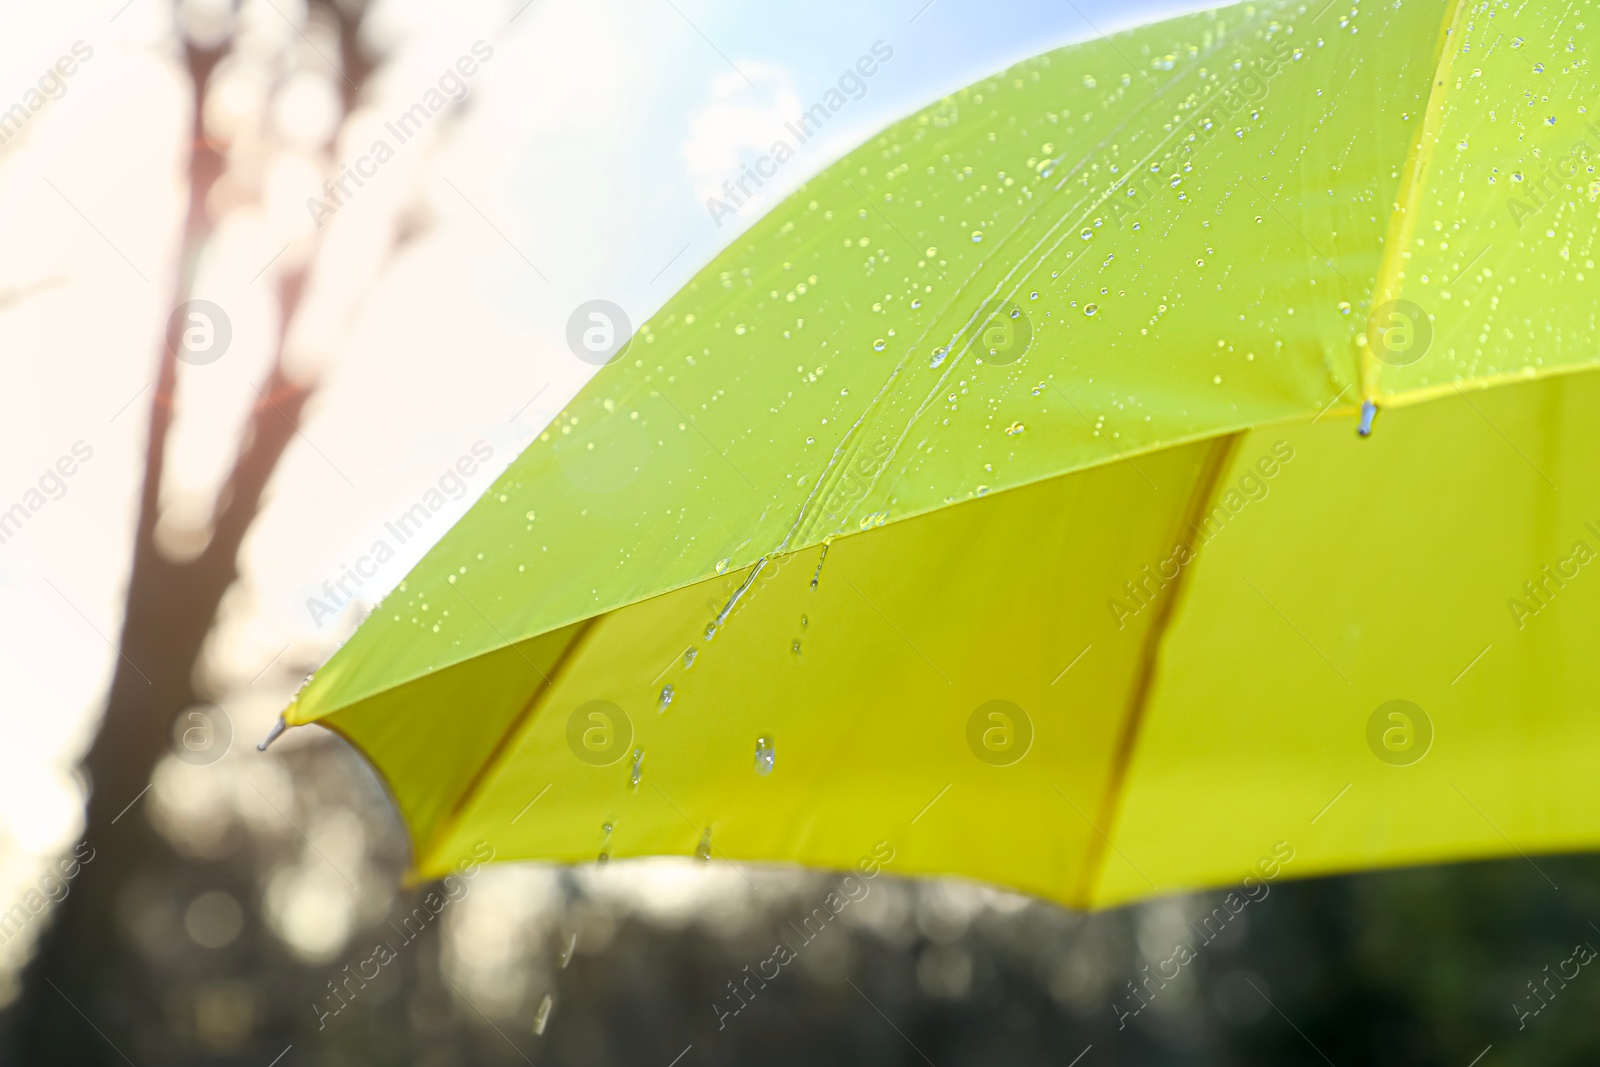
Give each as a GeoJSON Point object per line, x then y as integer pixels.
{"type": "Point", "coordinates": [277, 731]}
{"type": "Point", "coordinates": [1369, 412]}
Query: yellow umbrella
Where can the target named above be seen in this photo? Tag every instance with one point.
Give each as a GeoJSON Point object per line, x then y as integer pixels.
{"type": "Point", "coordinates": [994, 507]}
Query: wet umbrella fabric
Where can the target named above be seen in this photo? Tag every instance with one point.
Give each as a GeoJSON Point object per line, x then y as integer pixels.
{"type": "Point", "coordinates": [999, 497]}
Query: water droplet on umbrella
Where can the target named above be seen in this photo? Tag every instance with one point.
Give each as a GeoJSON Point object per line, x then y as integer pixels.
{"type": "Point", "coordinates": [765, 754]}
{"type": "Point", "coordinates": [688, 656]}
{"type": "Point", "coordinates": [915, 304]}
{"type": "Point", "coordinates": [823, 559]}
{"type": "Point", "coordinates": [722, 566]}
{"type": "Point", "coordinates": [1086, 233]}
{"type": "Point", "coordinates": [1344, 307]}
{"type": "Point", "coordinates": [879, 345]}
{"type": "Point", "coordinates": [1090, 309]}
{"type": "Point", "coordinates": [977, 236]}
{"type": "Point", "coordinates": [541, 1018]}
{"type": "Point", "coordinates": [938, 356]}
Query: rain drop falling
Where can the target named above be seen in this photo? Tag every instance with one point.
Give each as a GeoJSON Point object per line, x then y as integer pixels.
{"type": "Point", "coordinates": [688, 656]}
{"type": "Point", "coordinates": [795, 647]}
{"type": "Point", "coordinates": [702, 850]}
{"type": "Point", "coordinates": [637, 774]}
{"type": "Point", "coordinates": [818, 574]}
{"type": "Point", "coordinates": [666, 695]}
{"type": "Point", "coordinates": [566, 953]}
{"type": "Point", "coordinates": [765, 754]}
{"type": "Point", "coordinates": [541, 1018]}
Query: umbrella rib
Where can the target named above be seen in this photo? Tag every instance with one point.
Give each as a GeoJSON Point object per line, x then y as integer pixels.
{"type": "Point", "coordinates": [502, 746]}
{"type": "Point", "coordinates": [1103, 836]}
{"type": "Point", "coordinates": [1408, 195]}
{"type": "Point", "coordinates": [1217, 461]}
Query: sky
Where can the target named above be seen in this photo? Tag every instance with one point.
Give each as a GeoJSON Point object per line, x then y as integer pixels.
{"type": "Point", "coordinates": [576, 166]}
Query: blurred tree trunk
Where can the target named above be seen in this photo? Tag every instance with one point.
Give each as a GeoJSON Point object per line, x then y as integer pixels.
{"type": "Point", "coordinates": [87, 995]}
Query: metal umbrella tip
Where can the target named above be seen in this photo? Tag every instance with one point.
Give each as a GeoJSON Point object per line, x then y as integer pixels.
{"type": "Point", "coordinates": [1369, 412]}
{"type": "Point", "coordinates": [277, 729]}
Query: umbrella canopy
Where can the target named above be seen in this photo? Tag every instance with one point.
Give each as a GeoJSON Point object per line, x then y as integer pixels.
{"type": "Point", "coordinates": [994, 507]}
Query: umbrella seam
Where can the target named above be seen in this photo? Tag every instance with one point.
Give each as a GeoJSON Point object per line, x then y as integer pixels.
{"type": "Point", "coordinates": [1419, 157]}
{"type": "Point", "coordinates": [448, 822]}
{"type": "Point", "coordinates": [1218, 460]}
